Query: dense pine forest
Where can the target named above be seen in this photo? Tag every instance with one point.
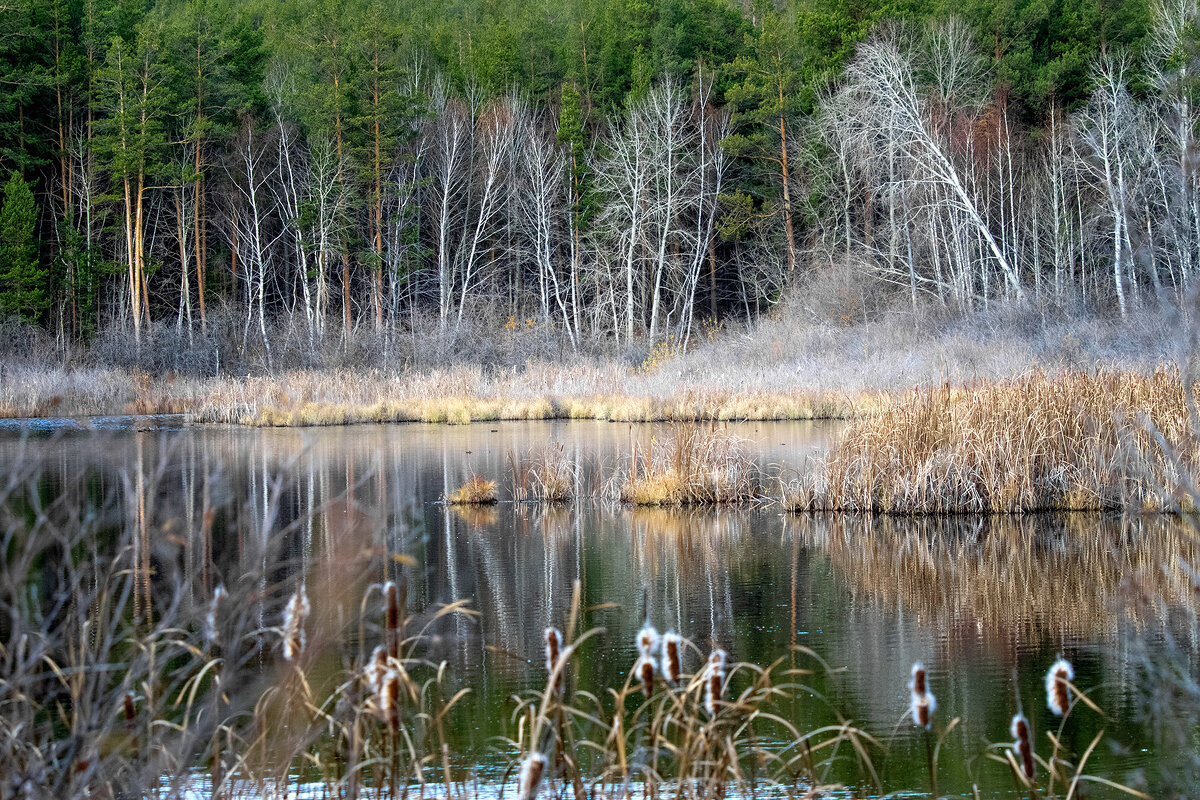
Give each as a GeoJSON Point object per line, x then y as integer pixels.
{"type": "Point", "coordinates": [296, 178]}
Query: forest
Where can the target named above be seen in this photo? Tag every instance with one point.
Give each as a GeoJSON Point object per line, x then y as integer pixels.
{"type": "Point", "coordinates": [297, 178]}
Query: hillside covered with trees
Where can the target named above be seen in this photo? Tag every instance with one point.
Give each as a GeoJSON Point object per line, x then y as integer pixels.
{"type": "Point", "coordinates": [296, 177]}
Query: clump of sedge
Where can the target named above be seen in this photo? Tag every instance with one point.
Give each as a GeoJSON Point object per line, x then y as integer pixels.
{"type": "Point", "coordinates": [476, 491]}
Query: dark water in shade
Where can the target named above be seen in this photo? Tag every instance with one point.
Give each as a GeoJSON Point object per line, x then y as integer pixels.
{"type": "Point", "coordinates": [977, 600]}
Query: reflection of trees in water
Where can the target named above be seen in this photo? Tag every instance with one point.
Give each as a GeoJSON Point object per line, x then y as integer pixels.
{"type": "Point", "coordinates": [1028, 577]}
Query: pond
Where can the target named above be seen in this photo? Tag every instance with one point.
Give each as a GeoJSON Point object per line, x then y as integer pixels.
{"type": "Point", "coordinates": [847, 603]}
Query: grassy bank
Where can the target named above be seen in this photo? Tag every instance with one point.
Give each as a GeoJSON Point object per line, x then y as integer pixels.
{"type": "Point", "coordinates": [1076, 441]}
{"type": "Point", "coordinates": [606, 391]}
{"type": "Point", "coordinates": [798, 365]}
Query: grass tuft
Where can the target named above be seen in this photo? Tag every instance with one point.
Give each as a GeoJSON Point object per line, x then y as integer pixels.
{"type": "Point", "coordinates": [692, 465]}
{"type": "Point", "coordinates": [476, 491]}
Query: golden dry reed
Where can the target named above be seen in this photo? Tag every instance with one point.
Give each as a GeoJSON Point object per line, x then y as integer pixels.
{"type": "Point", "coordinates": [1069, 441]}
{"type": "Point", "coordinates": [476, 491]}
{"type": "Point", "coordinates": [691, 465]}
{"type": "Point", "coordinates": [607, 390]}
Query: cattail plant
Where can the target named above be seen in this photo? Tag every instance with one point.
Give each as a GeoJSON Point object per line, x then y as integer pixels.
{"type": "Point", "coordinates": [1023, 744]}
{"type": "Point", "coordinates": [375, 669]}
{"type": "Point", "coordinates": [644, 669]}
{"type": "Point", "coordinates": [714, 681]}
{"type": "Point", "coordinates": [391, 594]}
{"type": "Point", "coordinates": [389, 700]}
{"type": "Point", "coordinates": [131, 722]}
{"type": "Point", "coordinates": [211, 633]}
{"type": "Point", "coordinates": [1058, 689]}
{"type": "Point", "coordinates": [647, 641]}
{"type": "Point", "coordinates": [554, 639]}
{"type": "Point", "coordinates": [532, 770]}
{"type": "Point", "coordinates": [671, 660]}
{"type": "Point", "coordinates": [923, 703]}
{"type": "Point", "coordinates": [294, 615]}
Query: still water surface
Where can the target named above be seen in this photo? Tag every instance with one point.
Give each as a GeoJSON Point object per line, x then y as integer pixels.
{"type": "Point", "coordinates": [977, 600]}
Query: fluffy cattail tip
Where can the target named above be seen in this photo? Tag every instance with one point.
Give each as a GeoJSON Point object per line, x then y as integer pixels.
{"type": "Point", "coordinates": [671, 659]}
{"type": "Point", "coordinates": [919, 681]}
{"type": "Point", "coordinates": [532, 769]}
{"type": "Point", "coordinates": [647, 641]}
{"type": "Point", "coordinates": [1023, 744]}
{"type": "Point", "coordinates": [1058, 690]}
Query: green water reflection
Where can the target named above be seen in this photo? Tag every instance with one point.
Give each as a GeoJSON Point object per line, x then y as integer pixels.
{"type": "Point", "coordinates": [979, 601]}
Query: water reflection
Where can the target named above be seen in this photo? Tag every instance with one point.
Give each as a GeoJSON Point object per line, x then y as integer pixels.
{"type": "Point", "coordinates": [343, 509]}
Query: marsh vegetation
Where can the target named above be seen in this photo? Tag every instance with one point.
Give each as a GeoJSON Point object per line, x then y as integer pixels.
{"type": "Point", "coordinates": [256, 611]}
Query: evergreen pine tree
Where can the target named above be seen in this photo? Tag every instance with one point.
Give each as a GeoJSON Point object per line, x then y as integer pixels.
{"type": "Point", "coordinates": [22, 280]}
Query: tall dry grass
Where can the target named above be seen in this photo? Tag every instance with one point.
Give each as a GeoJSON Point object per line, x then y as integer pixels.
{"type": "Point", "coordinates": [691, 465]}
{"type": "Point", "coordinates": [1106, 440]}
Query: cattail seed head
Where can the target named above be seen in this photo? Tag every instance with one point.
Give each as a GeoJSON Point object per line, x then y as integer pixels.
{"type": "Point", "coordinates": [671, 660]}
{"type": "Point", "coordinates": [392, 603]}
{"type": "Point", "coordinates": [918, 684]}
{"type": "Point", "coordinates": [1023, 744]}
{"type": "Point", "coordinates": [554, 639]}
{"type": "Point", "coordinates": [647, 641]}
{"type": "Point", "coordinates": [389, 700]}
{"type": "Point", "coordinates": [532, 769]}
{"type": "Point", "coordinates": [923, 703]}
{"type": "Point", "coordinates": [130, 713]}
{"type": "Point", "coordinates": [375, 669]}
{"type": "Point", "coordinates": [294, 615]}
{"type": "Point", "coordinates": [644, 669]}
{"type": "Point", "coordinates": [211, 633]}
{"type": "Point", "coordinates": [1058, 690]}
{"type": "Point", "coordinates": [714, 681]}
{"type": "Point", "coordinates": [391, 596]}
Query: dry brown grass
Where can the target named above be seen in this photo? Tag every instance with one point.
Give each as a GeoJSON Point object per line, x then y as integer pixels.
{"type": "Point", "coordinates": [476, 491]}
{"type": "Point", "coordinates": [692, 465]}
{"type": "Point", "coordinates": [550, 474]}
{"type": "Point", "coordinates": [1070, 441]}
{"type": "Point", "coordinates": [456, 395]}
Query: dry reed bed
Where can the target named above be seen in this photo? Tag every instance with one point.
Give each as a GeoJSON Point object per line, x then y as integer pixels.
{"type": "Point", "coordinates": [458, 395]}
{"type": "Point", "coordinates": [691, 465]}
{"type": "Point", "coordinates": [1070, 441]}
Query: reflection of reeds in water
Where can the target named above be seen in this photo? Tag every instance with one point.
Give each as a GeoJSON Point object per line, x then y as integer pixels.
{"type": "Point", "coordinates": [238, 719]}
{"type": "Point", "coordinates": [1049, 575]}
{"type": "Point", "coordinates": [476, 515]}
